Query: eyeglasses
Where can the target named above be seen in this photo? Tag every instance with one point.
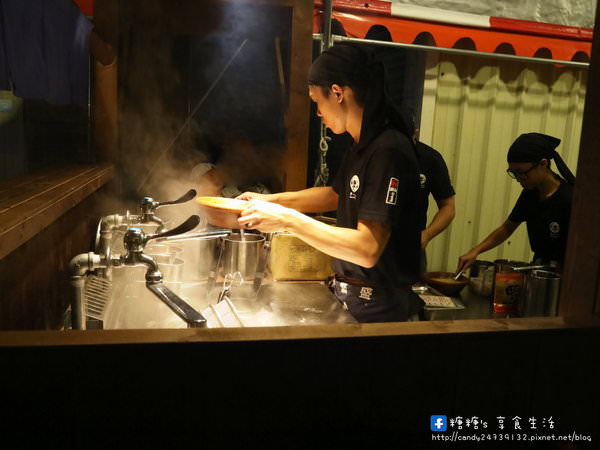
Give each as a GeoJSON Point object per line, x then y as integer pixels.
{"type": "Point", "coordinates": [516, 174]}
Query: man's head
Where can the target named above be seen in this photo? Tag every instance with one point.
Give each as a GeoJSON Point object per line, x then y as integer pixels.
{"type": "Point", "coordinates": [529, 158]}
{"type": "Point", "coordinates": [333, 105]}
{"type": "Point", "coordinates": [338, 82]}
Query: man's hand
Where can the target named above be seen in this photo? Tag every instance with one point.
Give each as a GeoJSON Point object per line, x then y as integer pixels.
{"type": "Point", "coordinates": [424, 239]}
{"type": "Point", "coordinates": [266, 217]}
{"type": "Point", "coordinates": [253, 196]}
{"type": "Point", "coordinates": [465, 261]}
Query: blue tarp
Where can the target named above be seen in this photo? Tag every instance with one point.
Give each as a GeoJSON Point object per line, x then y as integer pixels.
{"type": "Point", "coordinates": [44, 50]}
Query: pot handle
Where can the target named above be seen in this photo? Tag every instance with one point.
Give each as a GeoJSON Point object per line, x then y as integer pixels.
{"type": "Point", "coordinates": [526, 268]}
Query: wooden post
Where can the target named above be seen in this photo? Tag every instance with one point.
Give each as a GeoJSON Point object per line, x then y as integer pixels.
{"type": "Point", "coordinates": [105, 99]}
{"type": "Point", "coordinates": [296, 157]}
{"type": "Point", "coordinates": [580, 291]}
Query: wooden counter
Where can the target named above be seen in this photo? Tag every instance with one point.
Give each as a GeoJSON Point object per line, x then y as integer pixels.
{"type": "Point", "coordinates": [30, 203]}
{"type": "Point", "coordinates": [286, 333]}
{"type": "Point", "coordinates": [46, 218]}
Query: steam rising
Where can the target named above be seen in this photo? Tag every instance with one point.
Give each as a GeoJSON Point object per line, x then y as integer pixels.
{"type": "Point", "coordinates": [166, 66]}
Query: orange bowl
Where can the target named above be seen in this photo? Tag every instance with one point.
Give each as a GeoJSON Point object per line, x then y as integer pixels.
{"type": "Point", "coordinates": [222, 211]}
{"type": "Point", "coordinates": [443, 282]}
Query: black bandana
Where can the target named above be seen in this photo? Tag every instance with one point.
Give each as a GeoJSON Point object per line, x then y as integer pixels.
{"type": "Point", "coordinates": [355, 65]}
{"type": "Point", "coordinates": [533, 147]}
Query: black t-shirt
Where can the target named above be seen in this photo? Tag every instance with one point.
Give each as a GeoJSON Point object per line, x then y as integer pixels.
{"type": "Point", "coordinates": [380, 182]}
{"type": "Point", "coordinates": [547, 221]}
{"type": "Point", "coordinates": [435, 178]}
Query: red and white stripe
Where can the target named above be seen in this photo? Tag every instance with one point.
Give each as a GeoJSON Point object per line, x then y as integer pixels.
{"type": "Point", "coordinates": [395, 9]}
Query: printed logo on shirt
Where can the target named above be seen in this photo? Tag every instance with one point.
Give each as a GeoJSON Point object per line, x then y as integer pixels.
{"type": "Point", "coordinates": [422, 180]}
{"type": "Point", "coordinates": [554, 229]}
{"type": "Point", "coordinates": [354, 185]}
{"type": "Point", "coordinates": [366, 293]}
{"type": "Point", "coordinates": [392, 192]}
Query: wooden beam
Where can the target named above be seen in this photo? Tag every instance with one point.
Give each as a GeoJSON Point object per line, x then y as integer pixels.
{"type": "Point", "coordinates": [296, 156]}
{"type": "Point", "coordinates": [580, 291]}
{"type": "Point", "coordinates": [104, 96]}
{"type": "Point", "coordinates": [284, 333]}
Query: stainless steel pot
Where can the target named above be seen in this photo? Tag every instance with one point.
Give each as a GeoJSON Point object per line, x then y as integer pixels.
{"type": "Point", "coordinates": [481, 278]}
{"type": "Point", "coordinates": [241, 253]}
{"type": "Point", "coordinates": [540, 296]}
{"type": "Point", "coordinates": [201, 256]}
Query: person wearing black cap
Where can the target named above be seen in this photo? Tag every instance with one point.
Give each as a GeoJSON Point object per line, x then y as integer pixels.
{"type": "Point", "coordinates": [376, 243]}
{"type": "Point", "coordinates": [544, 204]}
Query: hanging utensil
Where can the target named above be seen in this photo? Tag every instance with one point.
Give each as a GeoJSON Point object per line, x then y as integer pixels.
{"type": "Point", "coordinates": [261, 266]}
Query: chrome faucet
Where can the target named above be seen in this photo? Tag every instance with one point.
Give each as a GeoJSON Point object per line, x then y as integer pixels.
{"type": "Point", "coordinates": [148, 207]}
{"type": "Point", "coordinates": [135, 241]}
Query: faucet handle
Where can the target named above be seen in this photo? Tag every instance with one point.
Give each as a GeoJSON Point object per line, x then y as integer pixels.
{"type": "Point", "coordinates": [149, 205]}
{"type": "Point", "coordinates": [135, 239]}
{"type": "Point", "coordinates": [191, 223]}
{"type": "Point", "coordinates": [189, 195]}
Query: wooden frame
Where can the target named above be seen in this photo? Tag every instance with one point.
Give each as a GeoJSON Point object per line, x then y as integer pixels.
{"type": "Point", "coordinates": [296, 158]}
{"type": "Point", "coordinates": [579, 302]}
{"type": "Point", "coordinates": [580, 292]}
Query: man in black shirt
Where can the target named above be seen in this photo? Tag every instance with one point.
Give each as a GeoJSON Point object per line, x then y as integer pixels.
{"type": "Point", "coordinates": [435, 180]}
{"type": "Point", "coordinates": [544, 204]}
{"type": "Point", "coordinates": [376, 243]}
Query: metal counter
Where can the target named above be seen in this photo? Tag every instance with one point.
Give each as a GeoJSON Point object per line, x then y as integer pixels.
{"type": "Point", "coordinates": [469, 306]}
{"type": "Point", "coordinates": [277, 304]}
{"type": "Point", "coordinates": [295, 303]}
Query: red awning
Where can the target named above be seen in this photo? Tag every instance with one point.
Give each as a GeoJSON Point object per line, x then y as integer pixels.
{"type": "Point", "coordinates": [481, 33]}
{"type": "Point", "coordinates": [86, 6]}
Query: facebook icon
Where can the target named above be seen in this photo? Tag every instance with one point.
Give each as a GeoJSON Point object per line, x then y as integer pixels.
{"type": "Point", "coordinates": [439, 423]}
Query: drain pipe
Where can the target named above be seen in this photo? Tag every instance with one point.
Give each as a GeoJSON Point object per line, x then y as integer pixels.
{"type": "Point", "coordinates": [78, 267]}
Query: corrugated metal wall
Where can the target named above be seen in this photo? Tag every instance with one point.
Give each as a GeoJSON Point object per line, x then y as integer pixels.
{"type": "Point", "coordinates": [473, 109]}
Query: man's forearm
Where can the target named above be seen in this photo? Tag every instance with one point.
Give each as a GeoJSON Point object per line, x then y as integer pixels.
{"type": "Point", "coordinates": [312, 200]}
{"type": "Point", "coordinates": [495, 238]}
{"type": "Point", "coordinates": [361, 246]}
{"type": "Point", "coordinates": [439, 223]}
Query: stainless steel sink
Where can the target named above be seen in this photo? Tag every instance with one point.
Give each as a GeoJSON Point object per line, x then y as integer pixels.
{"type": "Point", "coordinates": [277, 304]}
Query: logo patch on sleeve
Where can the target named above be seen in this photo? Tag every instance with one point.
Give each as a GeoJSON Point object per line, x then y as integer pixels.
{"type": "Point", "coordinates": [392, 193]}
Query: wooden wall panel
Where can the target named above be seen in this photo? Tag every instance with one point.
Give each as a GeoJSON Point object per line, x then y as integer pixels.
{"type": "Point", "coordinates": [333, 393]}
{"type": "Point", "coordinates": [33, 278]}
{"type": "Point", "coordinates": [580, 290]}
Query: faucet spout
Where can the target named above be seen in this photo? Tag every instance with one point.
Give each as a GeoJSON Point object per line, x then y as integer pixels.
{"type": "Point", "coordinates": [134, 242]}
{"type": "Point", "coordinates": [153, 218]}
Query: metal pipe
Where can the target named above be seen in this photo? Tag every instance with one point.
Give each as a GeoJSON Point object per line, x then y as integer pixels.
{"type": "Point", "coordinates": [104, 231]}
{"type": "Point", "coordinates": [457, 51]}
{"type": "Point", "coordinates": [527, 268]}
{"type": "Point", "coordinates": [200, 235]}
{"type": "Point", "coordinates": [78, 267]}
{"type": "Point", "coordinates": [326, 41]}
{"type": "Point", "coordinates": [78, 318]}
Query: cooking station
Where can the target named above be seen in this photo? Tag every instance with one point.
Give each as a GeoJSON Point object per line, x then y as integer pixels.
{"type": "Point", "coordinates": [275, 304]}
{"type": "Point", "coordinates": [144, 275]}
{"type": "Point", "coordinates": [197, 275]}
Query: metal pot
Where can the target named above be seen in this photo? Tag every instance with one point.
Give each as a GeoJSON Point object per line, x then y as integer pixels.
{"type": "Point", "coordinates": [481, 276]}
{"type": "Point", "coordinates": [201, 256]}
{"type": "Point", "coordinates": [540, 296]}
{"type": "Point", "coordinates": [241, 253]}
